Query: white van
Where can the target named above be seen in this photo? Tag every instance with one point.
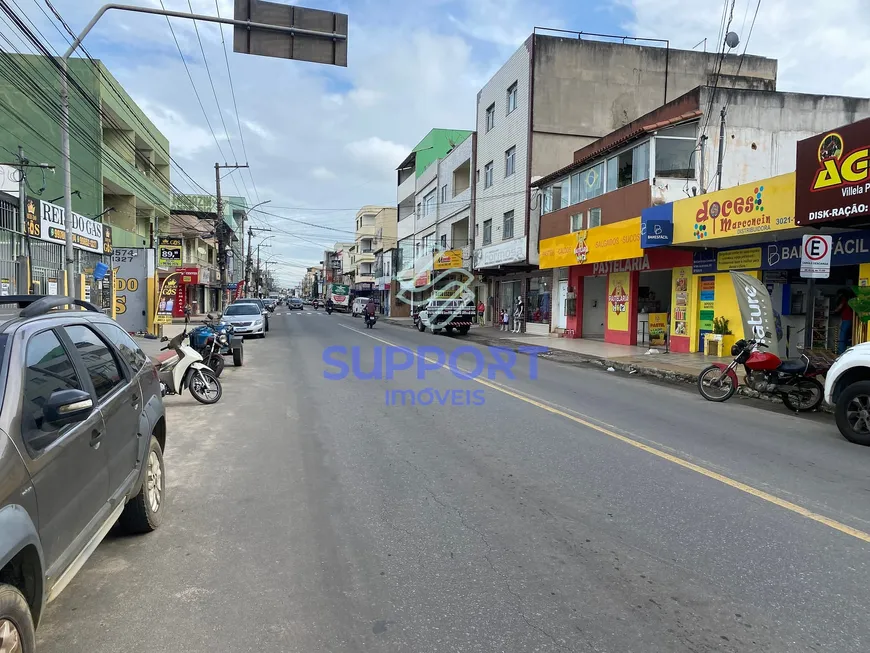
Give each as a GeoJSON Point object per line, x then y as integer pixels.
{"type": "Point", "coordinates": [359, 306]}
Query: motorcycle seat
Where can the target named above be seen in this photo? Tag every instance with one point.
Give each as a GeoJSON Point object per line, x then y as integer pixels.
{"type": "Point", "coordinates": [795, 366]}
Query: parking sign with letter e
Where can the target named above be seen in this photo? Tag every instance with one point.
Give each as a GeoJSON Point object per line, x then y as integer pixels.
{"type": "Point", "coordinates": [816, 257]}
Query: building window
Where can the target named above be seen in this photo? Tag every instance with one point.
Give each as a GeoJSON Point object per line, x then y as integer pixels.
{"type": "Point", "coordinates": [628, 167]}
{"type": "Point", "coordinates": [444, 193]}
{"type": "Point", "coordinates": [429, 204]}
{"type": "Point", "coordinates": [487, 232]}
{"type": "Point", "coordinates": [594, 218]}
{"type": "Point", "coordinates": [539, 300]}
{"type": "Point", "coordinates": [490, 116]}
{"type": "Point", "coordinates": [419, 209]}
{"type": "Point", "coordinates": [508, 226]}
{"type": "Point", "coordinates": [510, 161]}
{"type": "Point", "coordinates": [487, 175]}
{"type": "Point", "coordinates": [577, 222]}
{"type": "Point", "coordinates": [512, 97]}
{"type": "Point", "coordinates": [675, 150]}
{"type": "Point", "coordinates": [444, 241]}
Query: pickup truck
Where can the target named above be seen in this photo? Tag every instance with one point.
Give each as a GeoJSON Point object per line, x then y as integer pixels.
{"type": "Point", "coordinates": [446, 315]}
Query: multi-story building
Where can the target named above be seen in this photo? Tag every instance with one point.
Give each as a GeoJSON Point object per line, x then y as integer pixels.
{"type": "Point", "coordinates": [557, 94]}
{"type": "Point", "coordinates": [194, 220]}
{"type": "Point", "coordinates": [370, 221]}
{"type": "Point", "coordinates": [384, 244]}
{"type": "Point", "coordinates": [417, 197]}
{"type": "Point", "coordinates": [608, 218]}
{"type": "Point", "coordinates": [119, 159]}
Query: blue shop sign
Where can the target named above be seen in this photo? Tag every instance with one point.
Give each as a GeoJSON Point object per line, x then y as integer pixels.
{"type": "Point", "coordinates": [657, 226]}
{"type": "Point", "coordinates": [849, 248]}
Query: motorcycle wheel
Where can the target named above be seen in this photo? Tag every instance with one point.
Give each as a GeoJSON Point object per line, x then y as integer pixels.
{"type": "Point", "coordinates": [714, 385]}
{"type": "Point", "coordinates": [216, 363]}
{"type": "Point", "coordinates": [808, 395]}
{"type": "Point", "coordinates": [211, 392]}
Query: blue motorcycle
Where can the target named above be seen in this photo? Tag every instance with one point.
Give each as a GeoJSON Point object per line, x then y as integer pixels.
{"type": "Point", "coordinates": [214, 340]}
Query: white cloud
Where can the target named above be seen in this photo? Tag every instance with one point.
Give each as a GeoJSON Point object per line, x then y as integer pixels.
{"type": "Point", "coordinates": [820, 48]}
{"type": "Point", "coordinates": [322, 173]}
{"type": "Point", "coordinates": [186, 138]}
{"type": "Point", "coordinates": [378, 152]}
{"type": "Point", "coordinates": [256, 128]}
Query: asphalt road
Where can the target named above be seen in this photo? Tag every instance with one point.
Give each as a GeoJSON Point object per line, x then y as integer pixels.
{"type": "Point", "coordinates": [574, 511]}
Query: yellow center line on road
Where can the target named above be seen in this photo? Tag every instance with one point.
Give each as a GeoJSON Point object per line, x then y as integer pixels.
{"type": "Point", "coordinates": [664, 455]}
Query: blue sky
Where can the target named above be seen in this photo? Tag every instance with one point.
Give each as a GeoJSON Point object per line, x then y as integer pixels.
{"type": "Point", "coordinates": [325, 140]}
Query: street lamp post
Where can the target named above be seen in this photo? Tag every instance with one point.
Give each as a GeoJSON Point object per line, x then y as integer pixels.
{"type": "Point", "coordinates": [251, 27]}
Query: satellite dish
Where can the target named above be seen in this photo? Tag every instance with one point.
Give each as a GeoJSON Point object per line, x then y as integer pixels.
{"type": "Point", "coordinates": [732, 40]}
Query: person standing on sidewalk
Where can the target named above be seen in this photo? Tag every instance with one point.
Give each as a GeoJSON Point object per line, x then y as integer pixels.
{"type": "Point", "coordinates": [481, 309]}
{"type": "Point", "coordinates": [504, 318]}
{"type": "Point", "coordinates": [846, 317]}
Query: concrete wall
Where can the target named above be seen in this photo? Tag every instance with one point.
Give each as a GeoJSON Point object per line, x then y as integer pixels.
{"type": "Point", "coordinates": [762, 130]}
{"type": "Point", "coordinates": [506, 194]}
{"type": "Point", "coordinates": [590, 88]}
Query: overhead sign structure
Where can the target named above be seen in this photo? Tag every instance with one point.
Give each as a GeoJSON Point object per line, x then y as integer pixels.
{"type": "Point", "coordinates": [816, 256]}
{"type": "Point", "coordinates": [318, 36]}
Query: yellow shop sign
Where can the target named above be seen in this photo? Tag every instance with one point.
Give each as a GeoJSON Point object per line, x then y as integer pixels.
{"type": "Point", "coordinates": [759, 207]}
{"type": "Point", "coordinates": [610, 242]}
{"type": "Point", "coordinates": [447, 260]}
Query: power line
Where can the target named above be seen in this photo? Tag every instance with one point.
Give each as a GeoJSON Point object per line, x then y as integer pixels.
{"type": "Point", "coordinates": [235, 105]}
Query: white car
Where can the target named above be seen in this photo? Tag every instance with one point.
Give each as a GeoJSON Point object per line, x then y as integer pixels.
{"type": "Point", "coordinates": [247, 319]}
{"type": "Point", "coordinates": [847, 388]}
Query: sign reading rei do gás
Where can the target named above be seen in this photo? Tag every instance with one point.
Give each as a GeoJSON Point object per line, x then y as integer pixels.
{"type": "Point", "coordinates": [833, 175]}
{"type": "Point", "coordinates": [46, 221]}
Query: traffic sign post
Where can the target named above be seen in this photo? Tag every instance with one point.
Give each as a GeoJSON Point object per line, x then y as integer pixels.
{"type": "Point", "coordinates": [816, 257]}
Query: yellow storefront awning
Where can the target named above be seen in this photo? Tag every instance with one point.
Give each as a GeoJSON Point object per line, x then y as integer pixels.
{"type": "Point", "coordinates": [610, 242]}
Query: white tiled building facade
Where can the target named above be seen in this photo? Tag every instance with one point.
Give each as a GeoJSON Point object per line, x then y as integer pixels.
{"type": "Point", "coordinates": [503, 134]}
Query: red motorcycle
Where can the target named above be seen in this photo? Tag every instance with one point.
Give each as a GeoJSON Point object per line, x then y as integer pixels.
{"type": "Point", "coordinates": [794, 380]}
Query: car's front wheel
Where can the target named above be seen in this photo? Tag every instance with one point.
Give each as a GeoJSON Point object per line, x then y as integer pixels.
{"type": "Point", "coordinates": [852, 413]}
{"type": "Point", "coordinates": [16, 623]}
{"type": "Point", "coordinates": [144, 512]}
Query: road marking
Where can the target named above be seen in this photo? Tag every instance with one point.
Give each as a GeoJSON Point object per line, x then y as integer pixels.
{"type": "Point", "coordinates": [664, 455]}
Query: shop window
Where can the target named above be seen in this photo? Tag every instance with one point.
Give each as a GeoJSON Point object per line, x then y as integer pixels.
{"type": "Point", "coordinates": [539, 300]}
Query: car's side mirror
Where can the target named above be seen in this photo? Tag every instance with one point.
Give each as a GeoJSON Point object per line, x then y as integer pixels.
{"type": "Point", "coordinates": [67, 407]}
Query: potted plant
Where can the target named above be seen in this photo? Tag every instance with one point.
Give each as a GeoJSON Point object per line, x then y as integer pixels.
{"type": "Point", "coordinates": [721, 327]}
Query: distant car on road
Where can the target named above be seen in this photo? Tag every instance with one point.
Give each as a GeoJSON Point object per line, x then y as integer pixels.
{"type": "Point", "coordinates": [295, 303]}
{"type": "Point", "coordinates": [247, 319]}
{"type": "Point", "coordinates": [82, 435]}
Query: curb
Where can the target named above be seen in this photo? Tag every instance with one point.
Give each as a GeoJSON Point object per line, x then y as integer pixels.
{"type": "Point", "coordinates": [569, 358]}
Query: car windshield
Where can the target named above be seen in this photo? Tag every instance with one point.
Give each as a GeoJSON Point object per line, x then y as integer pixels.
{"type": "Point", "coordinates": [243, 309]}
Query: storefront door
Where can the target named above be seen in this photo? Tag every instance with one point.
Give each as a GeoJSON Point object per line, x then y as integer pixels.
{"type": "Point", "coordinates": [508, 293]}
{"type": "Point", "coordinates": [594, 303]}
{"type": "Point", "coordinates": [563, 305]}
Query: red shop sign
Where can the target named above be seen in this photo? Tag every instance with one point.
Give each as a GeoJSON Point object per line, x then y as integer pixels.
{"type": "Point", "coordinates": [653, 259]}
{"type": "Point", "coordinates": [189, 275]}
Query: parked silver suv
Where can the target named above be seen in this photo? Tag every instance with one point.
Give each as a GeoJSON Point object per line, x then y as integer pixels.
{"type": "Point", "coordinates": [82, 434]}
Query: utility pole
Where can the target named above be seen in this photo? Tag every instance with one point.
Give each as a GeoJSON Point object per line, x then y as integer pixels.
{"type": "Point", "coordinates": [701, 179]}
{"type": "Point", "coordinates": [220, 231]}
{"type": "Point", "coordinates": [249, 263]}
{"type": "Point", "coordinates": [259, 270]}
{"type": "Point", "coordinates": [22, 164]}
{"type": "Point", "coordinates": [721, 150]}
